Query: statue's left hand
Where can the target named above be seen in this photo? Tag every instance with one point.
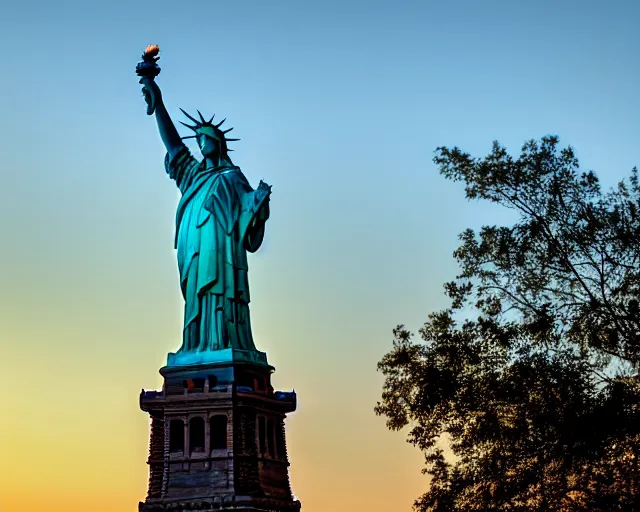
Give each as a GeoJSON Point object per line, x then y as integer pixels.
{"type": "Point", "coordinates": [263, 191]}
{"type": "Point", "coordinates": [262, 196]}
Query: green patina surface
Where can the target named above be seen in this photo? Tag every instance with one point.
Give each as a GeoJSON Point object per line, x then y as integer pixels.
{"type": "Point", "coordinates": [220, 218]}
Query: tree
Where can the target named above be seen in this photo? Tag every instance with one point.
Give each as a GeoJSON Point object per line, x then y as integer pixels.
{"type": "Point", "coordinates": [538, 393]}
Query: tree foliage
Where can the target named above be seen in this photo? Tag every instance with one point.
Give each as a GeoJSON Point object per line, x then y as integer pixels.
{"type": "Point", "coordinates": [538, 393]}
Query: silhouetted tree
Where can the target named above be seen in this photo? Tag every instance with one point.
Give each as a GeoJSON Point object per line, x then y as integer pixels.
{"type": "Point", "coordinates": [536, 392]}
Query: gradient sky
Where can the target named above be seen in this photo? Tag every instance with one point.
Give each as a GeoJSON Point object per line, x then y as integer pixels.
{"type": "Point", "coordinates": [340, 105]}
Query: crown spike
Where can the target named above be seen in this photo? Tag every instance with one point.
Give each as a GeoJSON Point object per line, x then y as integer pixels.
{"type": "Point", "coordinates": [227, 131]}
{"type": "Point", "coordinates": [211, 119]}
{"type": "Point", "coordinates": [201, 118]}
{"type": "Point", "coordinates": [194, 120]}
{"type": "Point", "coordinates": [230, 140]}
{"type": "Point", "coordinates": [194, 128]}
{"type": "Point", "coordinates": [189, 137]}
{"type": "Point", "coordinates": [220, 123]}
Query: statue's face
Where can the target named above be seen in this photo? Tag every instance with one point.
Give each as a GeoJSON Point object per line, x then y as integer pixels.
{"type": "Point", "coordinates": [209, 146]}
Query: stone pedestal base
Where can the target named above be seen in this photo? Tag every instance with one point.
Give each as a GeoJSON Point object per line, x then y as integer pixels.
{"type": "Point", "coordinates": [218, 438]}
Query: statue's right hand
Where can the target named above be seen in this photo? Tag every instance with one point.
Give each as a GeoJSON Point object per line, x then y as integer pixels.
{"type": "Point", "coordinates": [151, 93]}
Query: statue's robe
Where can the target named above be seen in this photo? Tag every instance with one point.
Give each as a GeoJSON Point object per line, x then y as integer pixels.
{"type": "Point", "coordinates": [219, 218]}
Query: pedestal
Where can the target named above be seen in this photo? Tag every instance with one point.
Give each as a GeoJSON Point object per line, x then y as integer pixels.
{"type": "Point", "coordinates": [218, 438]}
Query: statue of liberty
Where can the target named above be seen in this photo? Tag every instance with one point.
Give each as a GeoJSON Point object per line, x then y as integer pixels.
{"type": "Point", "coordinates": [219, 218]}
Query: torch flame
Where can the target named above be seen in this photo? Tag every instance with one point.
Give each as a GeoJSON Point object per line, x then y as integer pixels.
{"type": "Point", "coordinates": [151, 50]}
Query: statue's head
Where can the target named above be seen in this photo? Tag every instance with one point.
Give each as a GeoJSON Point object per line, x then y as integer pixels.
{"type": "Point", "coordinates": [211, 139]}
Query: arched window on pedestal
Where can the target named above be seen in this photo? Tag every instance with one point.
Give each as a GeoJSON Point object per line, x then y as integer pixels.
{"type": "Point", "coordinates": [196, 434]}
{"type": "Point", "coordinates": [176, 436]}
{"type": "Point", "coordinates": [218, 424]}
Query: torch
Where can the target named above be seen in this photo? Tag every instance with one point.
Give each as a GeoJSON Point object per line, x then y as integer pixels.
{"type": "Point", "coordinates": [147, 70]}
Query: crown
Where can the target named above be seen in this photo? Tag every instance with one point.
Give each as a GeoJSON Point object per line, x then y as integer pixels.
{"type": "Point", "coordinates": [209, 129]}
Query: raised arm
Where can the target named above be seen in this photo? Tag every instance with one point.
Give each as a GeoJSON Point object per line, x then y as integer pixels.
{"type": "Point", "coordinates": [167, 129]}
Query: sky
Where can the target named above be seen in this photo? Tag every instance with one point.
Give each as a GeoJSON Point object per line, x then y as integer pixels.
{"type": "Point", "coordinates": [340, 106]}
